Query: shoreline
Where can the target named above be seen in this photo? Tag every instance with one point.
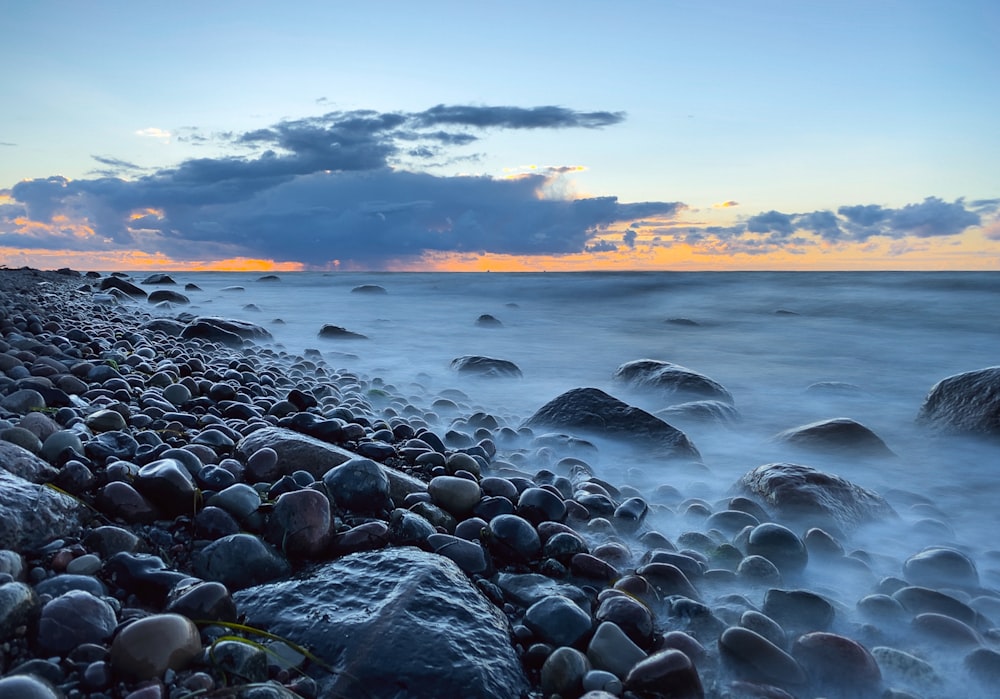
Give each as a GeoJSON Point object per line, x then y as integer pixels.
{"type": "Point", "coordinates": [197, 474]}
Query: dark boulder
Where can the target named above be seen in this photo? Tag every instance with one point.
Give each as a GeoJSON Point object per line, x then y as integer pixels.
{"type": "Point", "coordinates": [33, 515]}
{"type": "Point", "coordinates": [159, 279]}
{"type": "Point", "coordinates": [161, 295]}
{"type": "Point", "coordinates": [120, 284]}
{"type": "Point", "coordinates": [335, 332]}
{"type": "Point", "coordinates": [485, 366]}
{"type": "Point", "coordinates": [593, 411]}
{"type": "Point", "coordinates": [488, 321]}
{"type": "Point", "coordinates": [368, 289]}
{"type": "Point", "coordinates": [820, 499]}
{"type": "Point", "coordinates": [965, 403]}
{"type": "Point", "coordinates": [226, 331]}
{"type": "Point", "coordinates": [672, 379]}
{"type": "Point", "coordinates": [840, 435]}
{"type": "Point", "coordinates": [393, 623]}
{"type": "Point", "coordinates": [166, 326]}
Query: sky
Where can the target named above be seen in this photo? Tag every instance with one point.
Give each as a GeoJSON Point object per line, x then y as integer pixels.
{"type": "Point", "coordinates": [653, 135]}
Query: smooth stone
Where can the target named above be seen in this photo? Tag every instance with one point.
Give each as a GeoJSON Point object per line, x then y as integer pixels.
{"type": "Point", "coordinates": [168, 484]}
{"type": "Point", "coordinates": [525, 589]}
{"type": "Point", "coordinates": [304, 517]}
{"type": "Point", "coordinates": [74, 618]}
{"type": "Point", "coordinates": [676, 381]}
{"type": "Point", "coordinates": [18, 604]}
{"type": "Point", "coordinates": [941, 567]}
{"type": "Point", "coordinates": [610, 649]}
{"type": "Point", "coordinates": [838, 436]}
{"type": "Point", "coordinates": [749, 651]}
{"type": "Point", "coordinates": [798, 609]}
{"type": "Point", "coordinates": [58, 442]}
{"type": "Point", "coordinates": [87, 564]}
{"type": "Point", "coordinates": [564, 671]}
{"type": "Point", "coordinates": [407, 528]}
{"type": "Point", "coordinates": [630, 615]}
{"type": "Point", "coordinates": [512, 538]}
{"type": "Point", "coordinates": [27, 687]}
{"type": "Point", "coordinates": [630, 515]}
{"type": "Point", "coordinates": [359, 485]}
{"type": "Point", "coordinates": [945, 630]}
{"type": "Point", "coordinates": [202, 600]}
{"type": "Point", "coordinates": [485, 366]}
{"type": "Point", "coordinates": [177, 394]}
{"type": "Point", "coordinates": [602, 682]}
{"type": "Point", "coordinates": [456, 495]}
{"type": "Point", "coordinates": [247, 662]}
{"type": "Point", "coordinates": [105, 421]}
{"type": "Point", "coordinates": [239, 561]}
{"type": "Point", "coordinates": [22, 438]}
{"type": "Point", "coordinates": [667, 672]}
{"type": "Point", "coordinates": [918, 600]}
{"type": "Point", "coordinates": [983, 665]}
{"type": "Point", "coordinates": [668, 580]}
{"type": "Point", "coordinates": [145, 575]}
{"type": "Point", "coordinates": [215, 523]}
{"type": "Point", "coordinates": [61, 584]}
{"type": "Point", "coordinates": [540, 505]}
{"type": "Point", "coordinates": [23, 401]}
{"type": "Point", "coordinates": [468, 555]}
{"type": "Point", "coordinates": [148, 647]}
{"type": "Point", "coordinates": [557, 620]}
{"type": "Point", "coordinates": [779, 545]}
{"type": "Point", "coordinates": [240, 500]}
{"type": "Point", "coordinates": [822, 544]}
{"type": "Point", "coordinates": [838, 663]}
{"type": "Point", "coordinates": [764, 625]}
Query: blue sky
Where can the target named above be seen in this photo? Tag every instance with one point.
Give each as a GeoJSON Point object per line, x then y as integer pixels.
{"type": "Point", "coordinates": [782, 109]}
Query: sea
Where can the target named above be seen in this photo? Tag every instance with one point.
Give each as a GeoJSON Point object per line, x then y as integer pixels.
{"type": "Point", "coordinates": [767, 337]}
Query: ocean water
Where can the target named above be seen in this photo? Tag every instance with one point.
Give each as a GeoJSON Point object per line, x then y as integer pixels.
{"type": "Point", "coordinates": [766, 337]}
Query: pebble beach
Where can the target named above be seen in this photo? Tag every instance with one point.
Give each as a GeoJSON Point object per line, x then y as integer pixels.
{"type": "Point", "coordinates": [189, 510]}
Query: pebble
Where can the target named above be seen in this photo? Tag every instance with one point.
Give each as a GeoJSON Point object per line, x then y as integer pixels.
{"type": "Point", "coordinates": [146, 648]}
{"type": "Point", "coordinates": [456, 495]}
{"type": "Point", "coordinates": [563, 672]}
{"type": "Point", "coordinates": [74, 618]}
{"type": "Point", "coordinates": [610, 649]}
{"type": "Point", "coordinates": [27, 687]}
{"type": "Point", "coordinates": [557, 620]}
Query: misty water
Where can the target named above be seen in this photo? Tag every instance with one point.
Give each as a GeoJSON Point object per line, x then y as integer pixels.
{"type": "Point", "coordinates": [766, 337]}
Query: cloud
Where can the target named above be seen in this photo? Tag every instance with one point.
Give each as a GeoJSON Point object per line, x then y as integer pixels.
{"type": "Point", "coordinates": [725, 204]}
{"type": "Point", "coordinates": [155, 133]}
{"type": "Point", "coordinates": [326, 188]}
{"type": "Point", "coordinates": [8, 144]}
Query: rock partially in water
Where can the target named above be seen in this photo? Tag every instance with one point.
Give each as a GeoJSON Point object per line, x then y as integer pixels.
{"type": "Point", "coordinates": [711, 411]}
{"type": "Point", "coordinates": [336, 332]}
{"type": "Point", "coordinates": [122, 285]}
{"type": "Point", "coordinates": [840, 435]}
{"type": "Point", "coordinates": [939, 566]}
{"type": "Point", "coordinates": [673, 379]}
{"type": "Point", "coordinates": [838, 664]}
{"type": "Point", "coordinates": [485, 366]}
{"type": "Point", "coordinates": [396, 623]}
{"type": "Point", "coordinates": [820, 499]}
{"type": "Point", "coordinates": [369, 289]}
{"type": "Point", "coordinates": [169, 296]}
{"type": "Point", "coordinates": [159, 278]}
{"type": "Point", "coordinates": [965, 403]}
{"type": "Point", "coordinates": [593, 411]}
{"type": "Point", "coordinates": [224, 330]}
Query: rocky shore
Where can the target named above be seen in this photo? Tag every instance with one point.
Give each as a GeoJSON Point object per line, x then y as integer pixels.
{"type": "Point", "coordinates": [187, 510]}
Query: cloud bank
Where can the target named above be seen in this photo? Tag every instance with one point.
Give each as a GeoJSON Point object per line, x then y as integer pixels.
{"type": "Point", "coordinates": [350, 188]}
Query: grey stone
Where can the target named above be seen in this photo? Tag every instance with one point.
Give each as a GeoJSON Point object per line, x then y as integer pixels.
{"type": "Point", "coordinates": [964, 403]}
{"type": "Point", "coordinates": [32, 515]}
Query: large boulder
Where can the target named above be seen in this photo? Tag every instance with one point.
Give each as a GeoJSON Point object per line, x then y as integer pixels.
{"type": "Point", "coordinates": [122, 285]}
{"type": "Point", "coordinates": [965, 403]}
{"type": "Point", "coordinates": [593, 411]}
{"type": "Point", "coordinates": [32, 515]}
{"type": "Point", "coordinates": [485, 366]}
{"type": "Point", "coordinates": [21, 462]}
{"type": "Point", "coordinates": [161, 295]}
{"type": "Point", "coordinates": [227, 331]}
{"type": "Point", "coordinates": [395, 623]}
{"type": "Point", "coordinates": [674, 380]}
{"type": "Point", "coordinates": [297, 451]}
{"type": "Point", "coordinates": [840, 435]}
{"type": "Point", "coordinates": [803, 493]}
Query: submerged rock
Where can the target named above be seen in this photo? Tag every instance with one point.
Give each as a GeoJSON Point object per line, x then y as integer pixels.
{"type": "Point", "coordinates": [593, 411]}
{"type": "Point", "coordinates": [393, 623]}
{"type": "Point", "coordinates": [485, 366]}
{"type": "Point", "coordinates": [369, 289]}
{"type": "Point", "coordinates": [673, 379]}
{"type": "Point", "coordinates": [841, 435]}
{"type": "Point", "coordinates": [822, 499]}
{"type": "Point", "coordinates": [336, 332]}
{"type": "Point", "coordinates": [226, 331]}
{"type": "Point", "coordinates": [965, 403]}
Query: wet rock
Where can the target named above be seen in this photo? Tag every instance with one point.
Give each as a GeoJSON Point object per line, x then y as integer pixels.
{"type": "Point", "coordinates": [304, 518]}
{"type": "Point", "coordinates": [488, 321]}
{"type": "Point", "coordinates": [674, 380]}
{"type": "Point", "coordinates": [485, 366]}
{"type": "Point", "coordinates": [73, 618]}
{"type": "Point", "coordinates": [446, 638]}
{"type": "Point", "coordinates": [983, 665]}
{"type": "Point", "coordinates": [668, 580]}
{"type": "Point", "coordinates": [838, 663]}
{"type": "Point", "coordinates": [630, 615]}
{"type": "Point", "coordinates": [610, 649]}
{"type": "Point", "coordinates": [591, 410]}
{"type": "Point", "coordinates": [939, 566]}
{"type": "Point", "coordinates": [239, 561]}
{"type": "Point", "coordinates": [148, 647]}
{"type": "Point", "coordinates": [27, 687]}
{"type": "Point", "coordinates": [105, 421]}
{"type": "Point", "coordinates": [143, 574]}
{"type": "Point", "coordinates": [159, 278]}
{"type": "Point", "coordinates": [18, 605]}
{"type": "Point", "coordinates": [32, 515]}
{"type": "Point", "coordinates": [563, 672]}
{"type": "Point", "coordinates": [557, 620]}
{"type": "Point", "coordinates": [840, 435]}
{"type": "Point", "coordinates": [900, 666]}
{"type": "Point", "coordinates": [224, 330]}
{"type": "Point", "coordinates": [779, 545]}
{"type": "Point", "coordinates": [359, 485]}
{"type": "Point", "coordinates": [803, 493]}
{"type": "Point", "coordinates": [169, 486]}
{"type": "Point", "coordinates": [946, 631]}
{"type": "Point", "coordinates": [755, 658]}
{"type": "Point", "coordinates": [706, 411]}
{"type": "Point", "coordinates": [512, 538]}
{"type": "Point", "coordinates": [964, 403]}
{"type": "Point", "coordinates": [374, 289]}
{"type": "Point", "coordinates": [798, 609]}
{"type": "Point", "coordinates": [668, 672]}
{"type": "Point", "coordinates": [336, 332]}
{"type": "Point", "coordinates": [540, 505]}
{"type": "Point", "coordinates": [202, 600]}
{"type": "Point", "coordinates": [527, 588]}
{"type": "Point", "coordinates": [917, 600]}
{"type": "Point", "coordinates": [468, 555]}
{"type": "Point", "coordinates": [166, 295]}
{"type": "Point", "coordinates": [456, 495]}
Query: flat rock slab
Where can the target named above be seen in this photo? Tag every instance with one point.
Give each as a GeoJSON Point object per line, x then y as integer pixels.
{"type": "Point", "coordinates": [396, 624]}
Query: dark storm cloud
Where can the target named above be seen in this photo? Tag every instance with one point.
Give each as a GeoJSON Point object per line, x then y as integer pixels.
{"type": "Point", "coordinates": [323, 188]}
